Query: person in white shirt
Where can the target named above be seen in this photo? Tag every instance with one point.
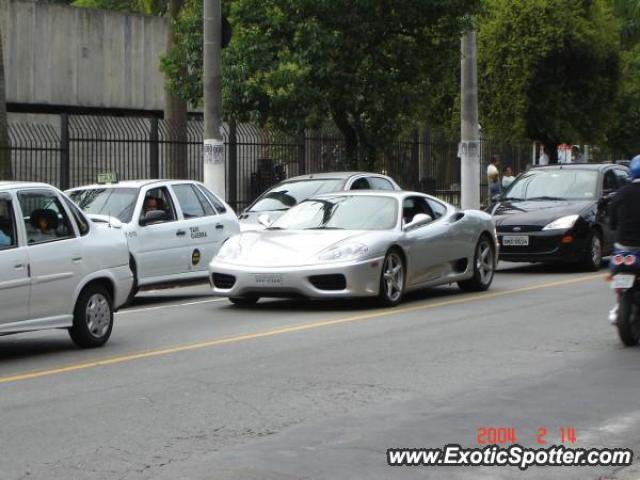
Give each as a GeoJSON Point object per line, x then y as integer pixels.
{"type": "Point", "coordinates": [507, 177]}
{"type": "Point", "coordinates": [493, 177]}
{"type": "Point", "coordinates": [544, 158]}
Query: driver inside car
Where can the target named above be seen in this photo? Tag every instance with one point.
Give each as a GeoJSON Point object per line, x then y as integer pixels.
{"type": "Point", "coordinates": [45, 223]}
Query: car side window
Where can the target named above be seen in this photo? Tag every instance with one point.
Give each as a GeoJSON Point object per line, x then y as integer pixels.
{"type": "Point", "coordinates": [45, 219]}
{"type": "Point", "coordinates": [215, 201]}
{"type": "Point", "coordinates": [158, 199]}
{"type": "Point", "coordinates": [379, 183]}
{"type": "Point", "coordinates": [622, 176]}
{"type": "Point", "coordinates": [361, 184]}
{"type": "Point", "coordinates": [437, 208]}
{"type": "Point", "coordinates": [192, 205]}
{"type": "Point", "coordinates": [81, 221]}
{"type": "Point", "coordinates": [8, 233]}
{"type": "Point", "coordinates": [609, 183]}
{"type": "Point", "coordinates": [412, 206]}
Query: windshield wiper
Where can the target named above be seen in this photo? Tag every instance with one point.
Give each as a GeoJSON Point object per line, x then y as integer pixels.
{"type": "Point", "coordinates": [516, 199]}
{"type": "Point", "coordinates": [324, 228]}
{"type": "Point", "coordinates": [544, 197]}
{"type": "Point", "coordinates": [274, 228]}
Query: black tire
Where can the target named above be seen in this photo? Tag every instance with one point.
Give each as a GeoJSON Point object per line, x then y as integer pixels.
{"type": "Point", "coordinates": [134, 288]}
{"type": "Point", "coordinates": [628, 322]}
{"type": "Point", "coordinates": [244, 301]}
{"type": "Point", "coordinates": [592, 258]}
{"type": "Point", "coordinates": [392, 279]}
{"type": "Point", "coordinates": [484, 267]}
{"type": "Point", "coordinates": [92, 317]}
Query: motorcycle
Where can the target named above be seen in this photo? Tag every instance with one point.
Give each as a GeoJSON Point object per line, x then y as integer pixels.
{"type": "Point", "coordinates": [625, 271]}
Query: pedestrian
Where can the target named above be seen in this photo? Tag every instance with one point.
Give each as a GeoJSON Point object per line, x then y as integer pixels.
{"type": "Point", "coordinates": [507, 177]}
{"type": "Point", "coordinates": [493, 178]}
{"type": "Point", "coordinates": [544, 158]}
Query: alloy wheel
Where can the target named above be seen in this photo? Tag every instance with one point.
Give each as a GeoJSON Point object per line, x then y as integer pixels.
{"type": "Point", "coordinates": [393, 273]}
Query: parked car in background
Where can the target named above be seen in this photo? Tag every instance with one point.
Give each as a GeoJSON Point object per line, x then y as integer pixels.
{"type": "Point", "coordinates": [281, 197]}
{"type": "Point", "coordinates": [173, 227]}
{"type": "Point", "coordinates": [559, 213]}
{"type": "Point", "coordinates": [358, 244]}
{"type": "Point", "coordinates": [57, 269]}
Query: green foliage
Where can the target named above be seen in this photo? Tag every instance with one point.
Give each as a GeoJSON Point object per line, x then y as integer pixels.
{"type": "Point", "coordinates": [548, 69]}
{"type": "Point", "coordinates": [145, 7]}
{"type": "Point", "coordinates": [369, 65]}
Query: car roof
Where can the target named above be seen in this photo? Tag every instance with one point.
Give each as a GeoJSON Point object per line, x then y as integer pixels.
{"type": "Point", "coordinates": [332, 175]}
{"type": "Point", "coordinates": [577, 166]}
{"type": "Point", "coordinates": [6, 185]}
{"type": "Point", "coordinates": [131, 184]}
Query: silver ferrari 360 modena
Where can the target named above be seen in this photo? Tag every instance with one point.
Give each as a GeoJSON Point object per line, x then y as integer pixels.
{"type": "Point", "coordinates": [359, 244]}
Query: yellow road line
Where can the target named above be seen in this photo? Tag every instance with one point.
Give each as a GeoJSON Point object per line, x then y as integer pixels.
{"type": "Point", "coordinates": [287, 329]}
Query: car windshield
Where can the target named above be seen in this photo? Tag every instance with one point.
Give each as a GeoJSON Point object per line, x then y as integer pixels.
{"type": "Point", "coordinates": [567, 184]}
{"type": "Point", "coordinates": [115, 202]}
{"type": "Point", "coordinates": [289, 194]}
{"type": "Point", "coordinates": [341, 213]}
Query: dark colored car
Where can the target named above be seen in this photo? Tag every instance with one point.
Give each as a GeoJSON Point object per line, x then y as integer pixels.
{"type": "Point", "coordinates": [559, 213]}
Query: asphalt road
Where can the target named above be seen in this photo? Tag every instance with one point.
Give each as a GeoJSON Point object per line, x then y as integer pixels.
{"type": "Point", "coordinates": [190, 387]}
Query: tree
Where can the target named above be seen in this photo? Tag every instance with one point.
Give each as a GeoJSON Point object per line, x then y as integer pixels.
{"type": "Point", "coordinates": [6, 170]}
{"type": "Point", "coordinates": [368, 65]}
{"type": "Point", "coordinates": [548, 70]}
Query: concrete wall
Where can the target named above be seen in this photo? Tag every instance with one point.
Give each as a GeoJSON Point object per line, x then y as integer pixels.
{"type": "Point", "coordinates": [61, 55]}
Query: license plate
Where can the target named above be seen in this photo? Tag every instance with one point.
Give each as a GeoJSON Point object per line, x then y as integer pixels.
{"type": "Point", "coordinates": [268, 279]}
{"type": "Point", "coordinates": [623, 281]}
{"type": "Point", "coordinates": [515, 241]}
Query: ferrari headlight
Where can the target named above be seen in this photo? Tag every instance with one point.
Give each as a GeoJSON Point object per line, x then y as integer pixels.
{"type": "Point", "coordinates": [563, 223]}
{"type": "Point", "coordinates": [230, 249]}
{"type": "Point", "coordinates": [348, 251]}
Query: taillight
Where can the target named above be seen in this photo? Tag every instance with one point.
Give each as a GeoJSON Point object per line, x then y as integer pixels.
{"type": "Point", "coordinates": [618, 259]}
{"type": "Point", "coordinates": [629, 259]}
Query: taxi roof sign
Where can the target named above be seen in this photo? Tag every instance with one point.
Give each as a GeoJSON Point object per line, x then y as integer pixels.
{"type": "Point", "coordinates": [107, 177]}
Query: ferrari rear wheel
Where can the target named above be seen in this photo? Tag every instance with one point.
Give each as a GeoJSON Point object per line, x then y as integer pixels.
{"type": "Point", "coordinates": [244, 301]}
{"type": "Point", "coordinates": [392, 279]}
{"type": "Point", "coordinates": [484, 266]}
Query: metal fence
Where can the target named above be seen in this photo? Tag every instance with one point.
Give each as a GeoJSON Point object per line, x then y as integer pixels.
{"type": "Point", "coordinates": [70, 150]}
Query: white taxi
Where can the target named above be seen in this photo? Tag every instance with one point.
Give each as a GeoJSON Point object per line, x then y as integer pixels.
{"type": "Point", "coordinates": [57, 269]}
{"type": "Point", "coordinates": [173, 227]}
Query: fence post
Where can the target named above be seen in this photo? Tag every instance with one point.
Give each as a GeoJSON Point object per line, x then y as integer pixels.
{"type": "Point", "coordinates": [302, 158]}
{"type": "Point", "coordinates": [232, 191]}
{"type": "Point", "coordinates": [65, 167]}
{"type": "Point", "coordinates": [415, 159]}
{"type": "Point", "coordinates": [154, 150]}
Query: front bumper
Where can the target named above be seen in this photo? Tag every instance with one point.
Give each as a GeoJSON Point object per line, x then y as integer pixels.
{"type": "Point", "coordinates": [544, 247]}
{"type": "Point", "coordinates": [362, 279]}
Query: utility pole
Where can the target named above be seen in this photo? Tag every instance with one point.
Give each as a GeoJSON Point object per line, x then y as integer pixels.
{"type": "Point", "coordinates": [214, 155]}
{"type": "Point", "coordinates": [469, 131]}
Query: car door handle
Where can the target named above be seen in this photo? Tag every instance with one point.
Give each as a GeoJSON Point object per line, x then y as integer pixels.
{"type": "Point", "coordinates": [19, 266]}
{"type": "Point", "coordinates": [76, 259]}
{"type": "Point", "coordinates": [180, 233]}
{"type": "Point", "coordinates": [219, 226]}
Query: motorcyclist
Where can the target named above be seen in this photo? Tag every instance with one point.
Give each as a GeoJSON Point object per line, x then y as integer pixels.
{"type": "Point", "coordinates": [624, 217]}
{"type": "Point", "coordinates": [624, 211]}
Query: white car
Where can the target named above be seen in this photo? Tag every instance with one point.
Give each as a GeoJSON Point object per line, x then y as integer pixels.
{"type": "Point", "coordinates": [173, 227]}
{"type": "Point", "coordinates": [57, 269]}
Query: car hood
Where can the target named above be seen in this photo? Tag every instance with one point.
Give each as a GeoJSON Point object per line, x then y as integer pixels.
{"type": "Point", "coordinates": [537, 212]}
{"type": "Point", "coordinates": [275, 248]}
{"type": "Point", "coordinates": [249, 220]}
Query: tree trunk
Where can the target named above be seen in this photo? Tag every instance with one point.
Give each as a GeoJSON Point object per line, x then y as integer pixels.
{"type": "Point", "coordinates": [175, 110]}
{"type": "Point", "coordinates": [6, 170]}
{"type": "Point", "coordinates": [350, 139]}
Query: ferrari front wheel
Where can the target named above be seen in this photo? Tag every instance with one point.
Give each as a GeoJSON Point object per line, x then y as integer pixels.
{"type": "Point", "coordinates": [392, 279]}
